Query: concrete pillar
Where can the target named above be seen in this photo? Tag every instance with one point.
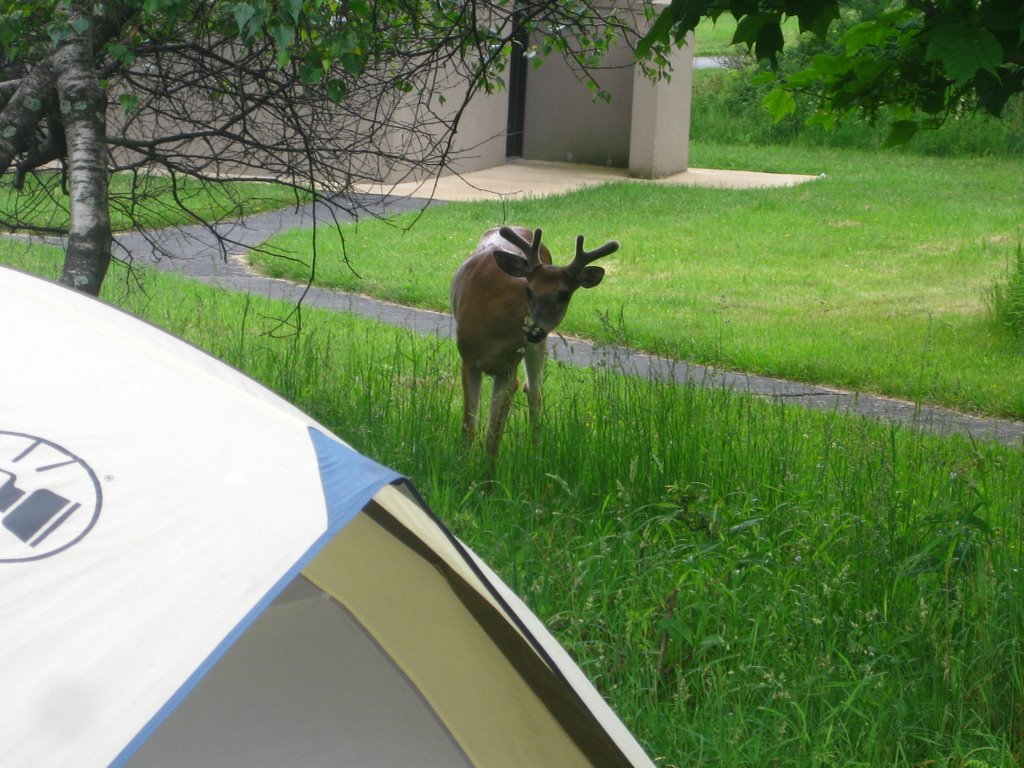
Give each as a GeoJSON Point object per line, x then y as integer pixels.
{"type": "Point", "coordinates": [659, 138]}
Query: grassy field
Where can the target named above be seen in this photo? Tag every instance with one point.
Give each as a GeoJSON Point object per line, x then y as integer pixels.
{"type": "Point", "coordinates": [873, 277]}
{"type": "Point", "coordinates": [748, 583]}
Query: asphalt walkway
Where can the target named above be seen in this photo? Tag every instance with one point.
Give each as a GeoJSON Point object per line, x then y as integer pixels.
{"type": "Point", "coordinates": [197, 253]}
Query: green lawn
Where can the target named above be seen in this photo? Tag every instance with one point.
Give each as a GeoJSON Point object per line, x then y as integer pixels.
{"type": "Point", "coordinates": [873, 277]}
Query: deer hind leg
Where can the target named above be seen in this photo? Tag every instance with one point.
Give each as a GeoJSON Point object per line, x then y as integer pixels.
{"type": "Point", "coordinates": [471, 381]}
{"type": "Point", "coordinates": [534, 359]}
{"type": "Point", "coordinates": [505, 384]}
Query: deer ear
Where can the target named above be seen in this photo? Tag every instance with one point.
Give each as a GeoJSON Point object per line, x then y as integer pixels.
{"type": "Point", "coordinates": [591, 276]}
{"type": "Point", "coordinates": [512, 263]}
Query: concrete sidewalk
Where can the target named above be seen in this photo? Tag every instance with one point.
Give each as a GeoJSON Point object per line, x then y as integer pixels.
{"type": "Point", "coordinates": [537, 178]}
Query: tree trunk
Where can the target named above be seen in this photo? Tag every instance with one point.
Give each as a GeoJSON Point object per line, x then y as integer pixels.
{"type": "Point", "coordinates": [83, 108]}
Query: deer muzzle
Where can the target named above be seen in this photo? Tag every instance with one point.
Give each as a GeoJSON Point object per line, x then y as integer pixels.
{"type": "Point", "coordinates": [533, 332]}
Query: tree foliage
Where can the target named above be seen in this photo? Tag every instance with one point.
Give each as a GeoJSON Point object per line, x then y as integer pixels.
{"type": "Point", "coordinates": [316, 94]}
{"type": "Point", "coordinates": [922, 59]}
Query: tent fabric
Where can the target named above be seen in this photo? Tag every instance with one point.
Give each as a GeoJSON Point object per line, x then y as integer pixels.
{"type": "Point", "coordinates": [194, 572]}
{"type": "Point", "coordinates": [334, 673]}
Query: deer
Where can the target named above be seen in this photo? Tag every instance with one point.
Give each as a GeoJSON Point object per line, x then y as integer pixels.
{"type": "Point", "coordinates": [506, 298]}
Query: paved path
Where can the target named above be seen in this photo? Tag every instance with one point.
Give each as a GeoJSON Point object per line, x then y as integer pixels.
{"type": "Point", "coordinates": [196, 253]}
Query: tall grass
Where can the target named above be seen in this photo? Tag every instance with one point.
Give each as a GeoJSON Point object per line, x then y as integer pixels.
{"type": "Point", "coordinates": [747, 582]}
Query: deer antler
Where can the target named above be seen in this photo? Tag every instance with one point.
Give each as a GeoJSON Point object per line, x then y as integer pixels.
{"type": "Point", "coordinates": [532, 250]}
{"type": "Point", "coordinates": [582, 258]}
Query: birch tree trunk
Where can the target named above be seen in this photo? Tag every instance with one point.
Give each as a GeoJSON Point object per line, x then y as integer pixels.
{"type": "Point", "coordinates": [83, 107]}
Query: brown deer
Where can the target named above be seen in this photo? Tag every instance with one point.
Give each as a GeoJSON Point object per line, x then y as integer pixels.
{"type": "Point", "coordinates": [506, 298]}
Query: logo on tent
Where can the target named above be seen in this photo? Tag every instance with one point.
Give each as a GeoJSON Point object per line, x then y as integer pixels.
{"type": "Point", "coordinates": [49, 498]}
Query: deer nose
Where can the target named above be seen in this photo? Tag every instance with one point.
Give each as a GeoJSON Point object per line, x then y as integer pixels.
{"type": "Point", "coordinates": [535, 333]}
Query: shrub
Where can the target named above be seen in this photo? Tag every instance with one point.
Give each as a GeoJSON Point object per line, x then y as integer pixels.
{"type": "Point", "coordinates": [727, 108]}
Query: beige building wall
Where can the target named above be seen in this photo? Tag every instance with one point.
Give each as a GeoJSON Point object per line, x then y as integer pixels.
{"type": "Point", "coordinates": [565, 121]}
{"type": "Point", "coordinates": [659, 143]}
{"type": "Point", "coordinates": [480, 141]}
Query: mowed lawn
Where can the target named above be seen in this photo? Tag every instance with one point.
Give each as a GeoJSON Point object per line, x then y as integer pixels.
{"type": "Point", "coordinates": [874, 277]}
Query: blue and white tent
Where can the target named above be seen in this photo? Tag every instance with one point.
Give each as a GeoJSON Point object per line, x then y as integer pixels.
{"type": "Point", "coordinates": [195, 573]}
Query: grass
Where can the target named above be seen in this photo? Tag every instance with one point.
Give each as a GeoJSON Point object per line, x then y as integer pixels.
{"type": "Point", "coordinates": [141, 201]}
{"type": "Point", "coordinates": [748, 583]}
{"type": "Point", "coordinates": [874, 277]}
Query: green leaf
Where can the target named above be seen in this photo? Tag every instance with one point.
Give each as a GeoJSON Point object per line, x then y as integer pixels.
{"type": "Point", "coordinates": [244, 13]}
{"type": "Point", "coordinates": [964, 50]}
{"type": "Point", "coordinates": [58, 33]}
{"type": "Point", "coordinates": [866, 33]}
{"type": "Point", "coordinates": [804, 78]}
{"type": "Point", "coordinates": [659, 33]}
{"type": "Point", "coordinates": [337, 90]}
{"type": "Point", "coordinates": [121, 53]}
{"type": "Point", "coordinates": [779, 103]}
{"type": "Point", "coordinates": [819, 25]}
{"type": "Point", "coordinates": [828, 65]}
{"type": "Point", "coordinates": [358, 9]}
{"type": "Point", "coordinates": [763, 78]}
{"type": "Point", "coordinates": [761, 32]}
{"type": "Point", "coordinates": [283, 36]}
{"type": "Point", "coordinates": [129, 103]}
{"type": "Point", "coordinates": [747, 30]}
{"type": "Point", "coordinates": [352, 63]}
{"type": "Point", "coordinates": [769, 42]}
{"type": "Point", "coordinates": [868, 72]}
{"type": "Point", "coordinates": [10, 27]}
{"type": "Point", "coordinates": [1003, 15]}
{"type": "Point", "coordinates": [311, 72]}
{"type": "Point", "coordinates": [291, 9]}
{"type": "Point", "coordinates": [827, 120]}
{"type": "Point", "coordinates": [900, 133]}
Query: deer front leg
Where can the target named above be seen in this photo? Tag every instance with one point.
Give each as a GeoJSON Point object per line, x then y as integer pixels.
{"type": "Point", "coordinates": [505, 384]}
{"type": "Point", "coordinates": [534, 359]}
{"type": "Point", "coordinates": [471, 380]}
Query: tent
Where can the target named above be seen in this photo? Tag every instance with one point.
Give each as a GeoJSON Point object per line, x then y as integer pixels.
{"type": "Point", "coordinates": [195, 573]}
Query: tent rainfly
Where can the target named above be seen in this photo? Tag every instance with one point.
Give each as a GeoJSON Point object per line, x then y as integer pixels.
{"type": "Point", "coordinates": [195, 573]}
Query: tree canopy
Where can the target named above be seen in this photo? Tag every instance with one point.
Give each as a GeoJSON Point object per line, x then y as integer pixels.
{"type": "Point", "coordinates": [921, 59]}
{"type": "Point", "coordinates": [316, 94]}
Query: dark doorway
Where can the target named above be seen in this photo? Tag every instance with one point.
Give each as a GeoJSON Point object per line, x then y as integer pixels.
{"type": "Point", "coordinates": [517, 90]}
